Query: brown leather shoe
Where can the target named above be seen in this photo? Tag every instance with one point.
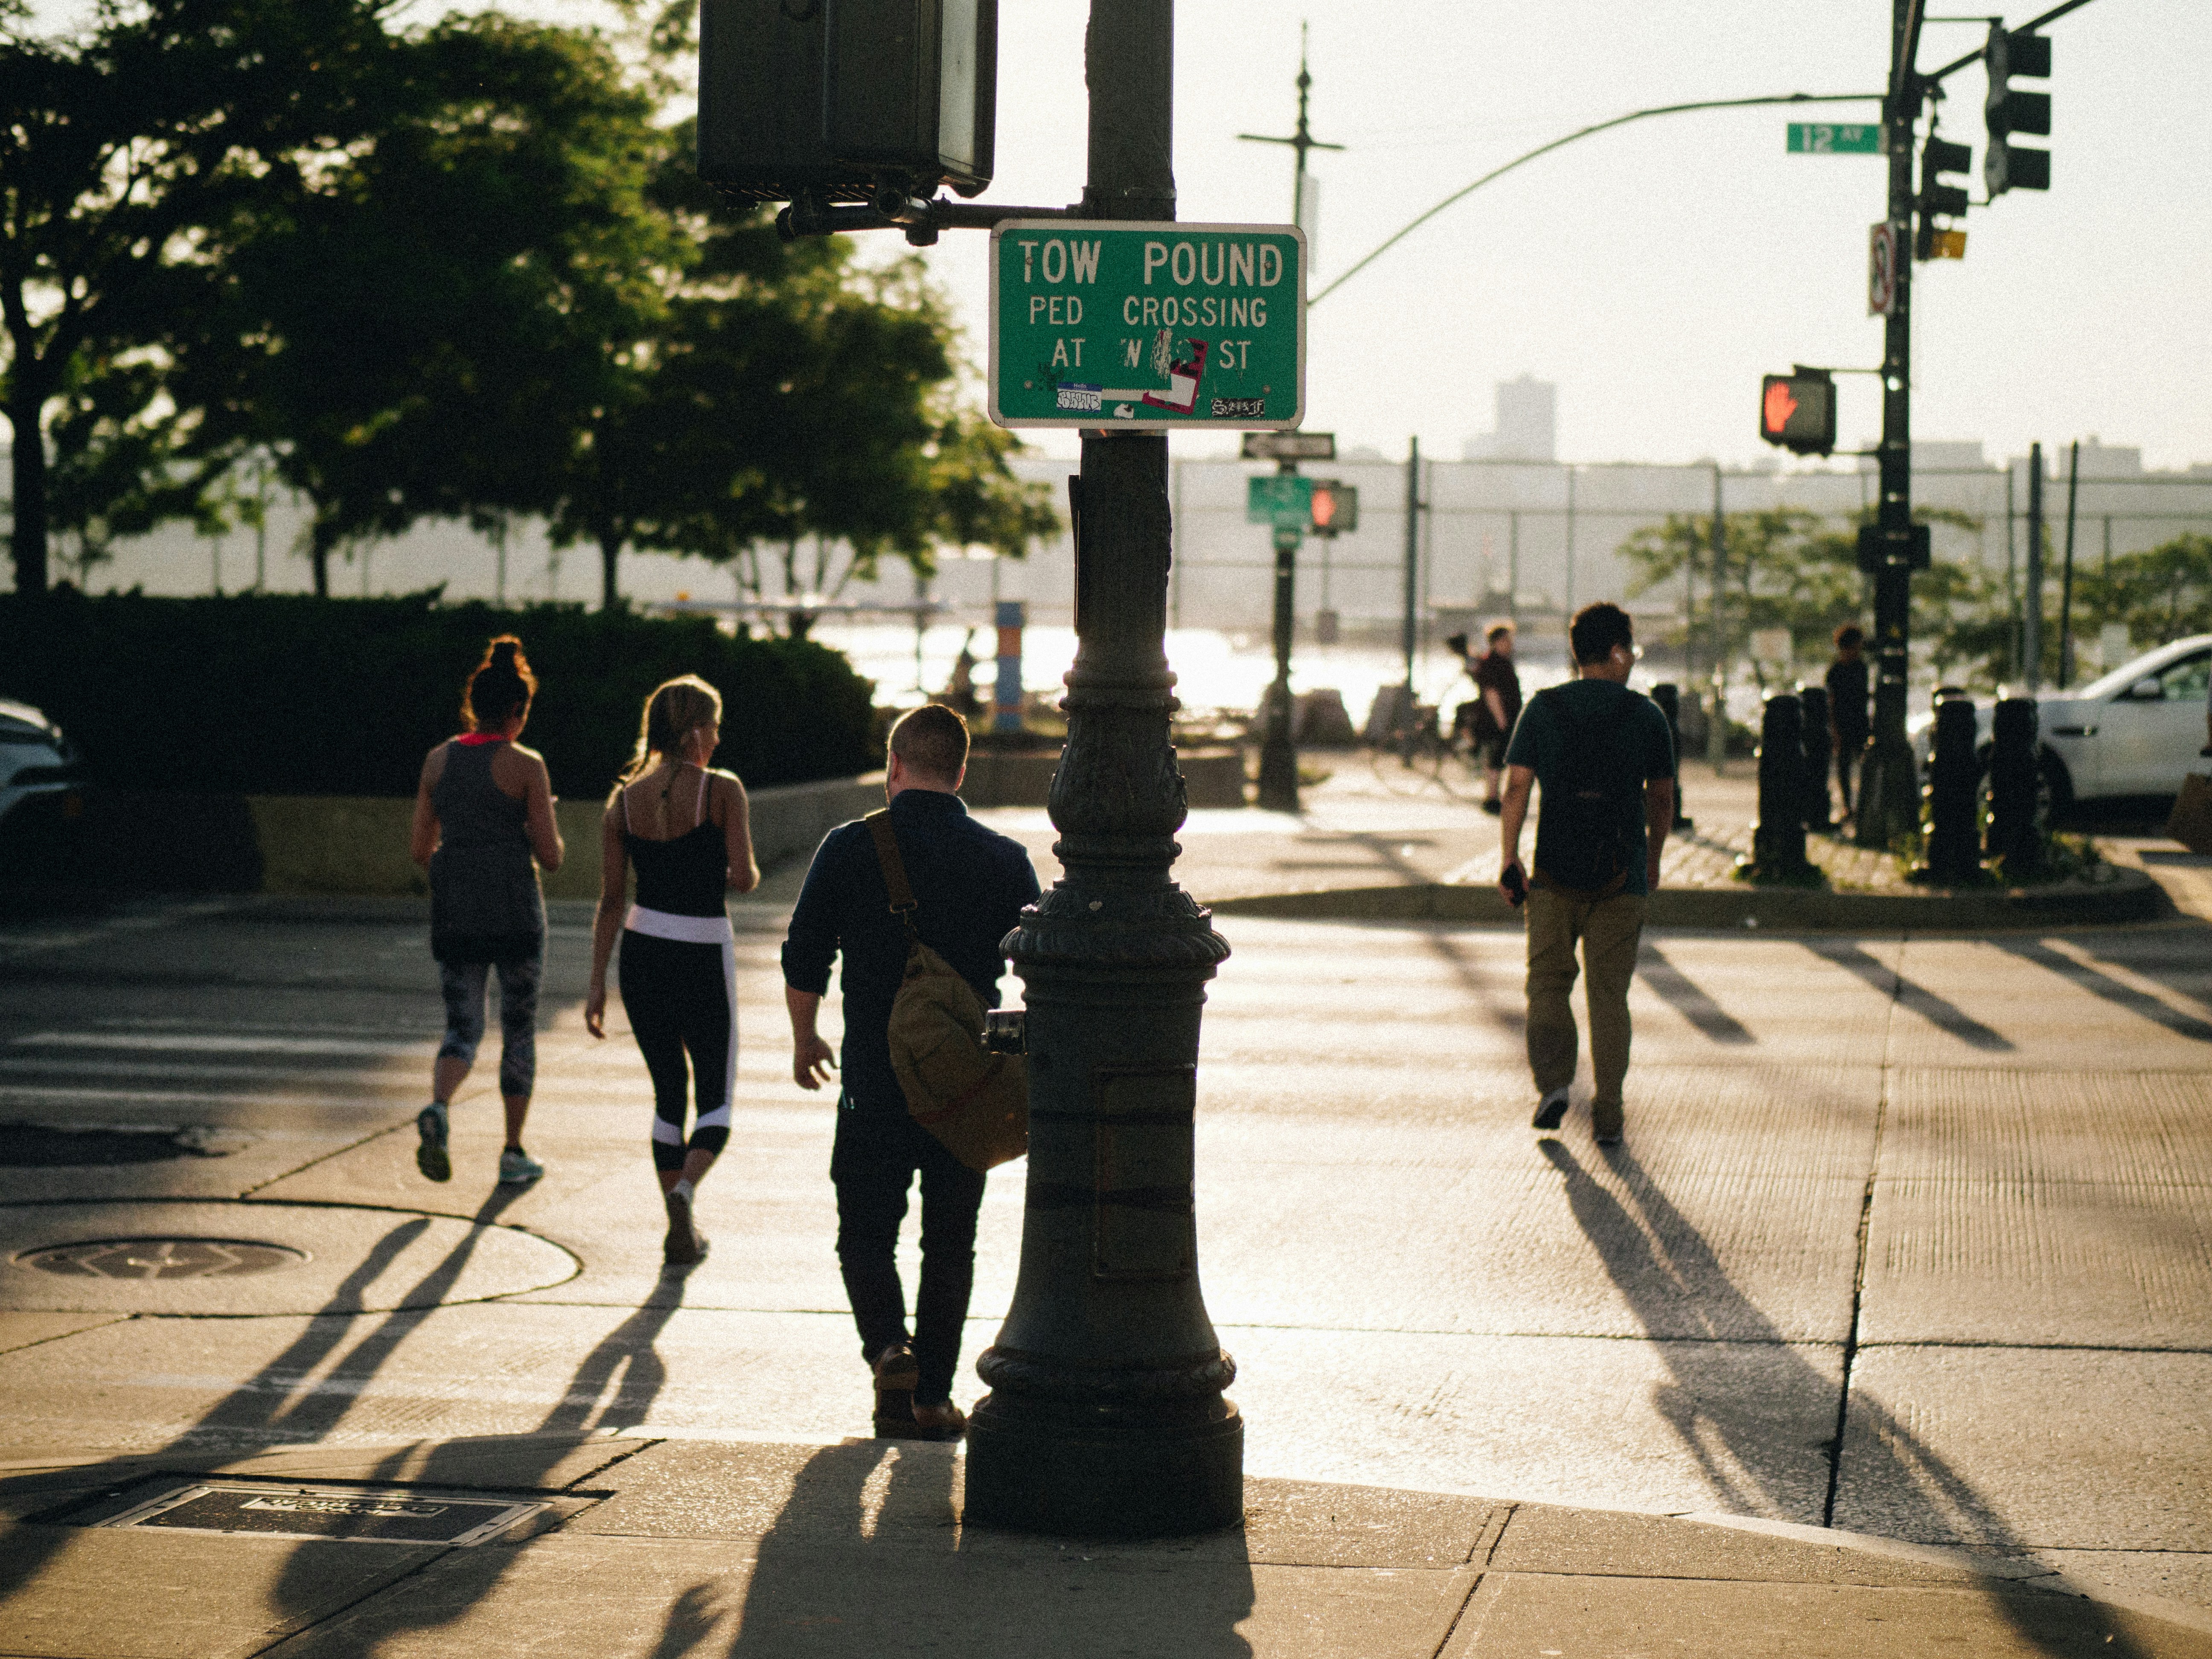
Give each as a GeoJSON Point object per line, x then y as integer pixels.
{"type": "Point", "coordinates": [944, 1422]}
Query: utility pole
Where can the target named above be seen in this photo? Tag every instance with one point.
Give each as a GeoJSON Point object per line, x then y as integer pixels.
{"type": "Point", "coordinates": [1889, 792]}
{"type": "Point", "coordinates": [2066, 577]}
{"type": "Point", "coordinates": [1716, 726]}
{"type": "Point", "coordinates": [1278, 754]}
{"type": "Point", "coordinates": [1106, 1413]}
{"type": "Point", "coordinates": [2031, 620]}
{"type": "Point", "coordinates": [1409, 625]}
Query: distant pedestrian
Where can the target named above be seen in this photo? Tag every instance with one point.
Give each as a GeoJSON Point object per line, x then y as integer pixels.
{"type": "Point", "coordinates": [970, 885]}
{"type": "Point", "coordinates": [483, 808]}
{"type": "Point", "coordinates": [1497, 691]}
{"type": "Point", "coordinates": [1606, 761]}
{"type": "Point", "coordinates": [1848, 725]}
{"type": "Point", "coordinates": [687, 829]}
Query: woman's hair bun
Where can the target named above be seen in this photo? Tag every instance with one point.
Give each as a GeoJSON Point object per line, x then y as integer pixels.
{"type": "Point", "coordinates": [502, 685]}
{"type": "Point", "coordinates": [505, 650]}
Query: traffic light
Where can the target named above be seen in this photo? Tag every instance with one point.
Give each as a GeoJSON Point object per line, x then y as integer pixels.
{"type": "Point", "coordinates": [1797, 411]}
{"type": "Point", "coordinates": [1335, 507]}
{"type": "Point", "coordinates": [1938, 199]}
{"type": "Point", "coordinates": [2007, 111]}
{"type": "Point", "coordinates": [847, 101]}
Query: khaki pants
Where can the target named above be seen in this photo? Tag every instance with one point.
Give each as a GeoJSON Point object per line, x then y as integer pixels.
{"type": "Point", "coordinates": [1609, 929]}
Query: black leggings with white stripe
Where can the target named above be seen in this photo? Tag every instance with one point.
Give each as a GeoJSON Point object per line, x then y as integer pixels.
{"type": "Point", "coordinates": [682, 998]}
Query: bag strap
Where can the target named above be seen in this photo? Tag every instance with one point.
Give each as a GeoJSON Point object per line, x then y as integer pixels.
{"type": "Point", "coordinates": [894, 867]}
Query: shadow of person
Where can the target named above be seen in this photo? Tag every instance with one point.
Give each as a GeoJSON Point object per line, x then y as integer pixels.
{"type": "Point", "coordinates": [867, 1555]}
{"type": "Point", "coordinates": [1734, 1413]}
{"type": "Point", "coordinates": [1689, 999]}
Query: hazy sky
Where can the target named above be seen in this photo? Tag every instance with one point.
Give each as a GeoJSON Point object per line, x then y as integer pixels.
{"type": "Point", "coordinates": [1656, 272]}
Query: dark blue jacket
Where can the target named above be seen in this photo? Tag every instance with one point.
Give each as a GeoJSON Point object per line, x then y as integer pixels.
{"type": "Point", "coordinates": [969, 885]}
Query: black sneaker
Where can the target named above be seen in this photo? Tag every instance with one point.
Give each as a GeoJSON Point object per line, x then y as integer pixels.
{"type": "Point", "coordinates": [1550, 1110]}
{"type": "Point", "coordinates": [430, 1157]}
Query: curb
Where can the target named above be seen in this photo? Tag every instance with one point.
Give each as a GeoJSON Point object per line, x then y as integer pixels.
{"type": "Point", "coordinates": [2130, 895]}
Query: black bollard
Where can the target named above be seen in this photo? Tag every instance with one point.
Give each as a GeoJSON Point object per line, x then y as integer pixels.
{"type": "Point", "coordinates": [1815, 700]}
{"type": "Point", "coordinates": [1953, 858]}
{"type": "Point", "coordinates": [1778, 839]}
{"type": "Point", "coordinates": [2015, 840]}
{"type": "Point", "coordinates": [1670, 704]}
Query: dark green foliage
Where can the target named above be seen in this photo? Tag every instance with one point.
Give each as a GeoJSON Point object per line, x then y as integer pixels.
{"type": "Point", "coordinates": [282, 694]}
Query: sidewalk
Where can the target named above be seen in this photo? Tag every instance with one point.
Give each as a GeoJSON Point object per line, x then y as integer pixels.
{"type": "Point", "coordinates": [660, 1547]}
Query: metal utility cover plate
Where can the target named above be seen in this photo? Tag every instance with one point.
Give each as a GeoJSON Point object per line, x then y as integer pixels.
{"type": "Point", "coordinates": [349, 1514]}
{"type": "Point", "coordinates": [163, 1258]}
{"type": "Point", "coordinates": [1136, 326]}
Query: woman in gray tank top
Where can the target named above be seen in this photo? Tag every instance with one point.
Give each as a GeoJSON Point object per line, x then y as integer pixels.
{"type": "Point", "coordinates": [483, 811]}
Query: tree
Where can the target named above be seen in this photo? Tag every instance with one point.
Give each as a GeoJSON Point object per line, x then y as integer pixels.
{"type": "Point", "coordinates": [2159, 594]}
{"type": "Point", "coordinates": [411, 331]}
{"type": "Point", "coordinates": [789, 393]}
{"type": "Point", "coordinates": [116, 147]}
{"type": "Point", "coordinates": [1786, 568]}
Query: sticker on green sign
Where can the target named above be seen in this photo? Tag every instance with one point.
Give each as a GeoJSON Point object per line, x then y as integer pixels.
{"type": "Point", "coordinates": [1142, 326]}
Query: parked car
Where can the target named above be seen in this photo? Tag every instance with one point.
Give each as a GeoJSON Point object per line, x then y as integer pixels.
{"type": "Point", "coordinates": [36, 762]}
{"type": "Point", "coordinates": [2135, 730]}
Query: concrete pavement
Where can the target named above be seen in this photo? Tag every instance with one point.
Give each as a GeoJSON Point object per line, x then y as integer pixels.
{"type": "Point", "coordinates": [1947, 1195]}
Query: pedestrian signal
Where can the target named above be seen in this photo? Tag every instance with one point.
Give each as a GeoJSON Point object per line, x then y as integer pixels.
{"type": "Point", "coordinates": [1798, 412]}
{"type": "Point", "coordinates": [1334, 506]}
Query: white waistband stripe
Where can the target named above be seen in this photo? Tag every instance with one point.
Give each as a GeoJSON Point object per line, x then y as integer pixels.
{"type": "Point", "coordinates": [688, 930]}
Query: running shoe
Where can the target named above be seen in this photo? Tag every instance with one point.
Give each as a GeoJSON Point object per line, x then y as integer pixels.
{"type": "Point", "coordinates": [518, 1168]}
{"type": "Point", "coordinates": [430, 1156]}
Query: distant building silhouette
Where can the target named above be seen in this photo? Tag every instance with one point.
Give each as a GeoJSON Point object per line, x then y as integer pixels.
{"type": "Point", "coordinates": [1527, 426]}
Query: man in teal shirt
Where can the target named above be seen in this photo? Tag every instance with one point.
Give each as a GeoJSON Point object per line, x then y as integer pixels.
{"type": "Point", "coordinates": [1606, 761]}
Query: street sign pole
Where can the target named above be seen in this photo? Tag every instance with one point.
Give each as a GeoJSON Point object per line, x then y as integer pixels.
{"type": "Point", "coordinates": [1889, 792]}
{"type": "Point", "coordinates": [1106, 1413]}
{"type": "Point", "coordinates": [1279, 751]}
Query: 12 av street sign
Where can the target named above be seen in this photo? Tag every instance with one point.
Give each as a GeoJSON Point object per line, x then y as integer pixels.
{"type": "Point", "coordinates": [1142, 327]}
{"type": "Point", "coordinates": [1824, 138]}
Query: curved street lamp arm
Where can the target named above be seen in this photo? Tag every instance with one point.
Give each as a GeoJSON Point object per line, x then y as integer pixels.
{"type": "Point", "coordinates": [1584, 133]}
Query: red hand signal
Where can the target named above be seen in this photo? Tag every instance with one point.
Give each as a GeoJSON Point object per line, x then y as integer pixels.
{"type": "Point", "coordinates": [1780, 406]}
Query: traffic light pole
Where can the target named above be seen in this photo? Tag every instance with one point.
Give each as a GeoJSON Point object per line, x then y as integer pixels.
{"type": "Point", "coordinates": [1889, 791]}
{"type": "Point", "coordinates": [1106, 1413]}
{"type": "Point", "coordinates": [1278, 749]}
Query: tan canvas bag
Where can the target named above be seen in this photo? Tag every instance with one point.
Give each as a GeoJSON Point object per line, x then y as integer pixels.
{"type": "Point", "coordinates": [977, 1103]}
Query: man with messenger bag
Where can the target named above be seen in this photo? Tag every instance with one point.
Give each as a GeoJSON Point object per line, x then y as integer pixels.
{"type": "Point", "coordinates": [1606, 760]}
{"type": "Point", "coordinates": [916, 898]}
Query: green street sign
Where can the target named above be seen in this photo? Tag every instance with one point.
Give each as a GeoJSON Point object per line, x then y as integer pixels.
{"type": "Point", "coordinates": [1282, 498]}
{"type": "Point", "coordinates": [1143, 327]}
{"type": "Point", "coordinates": [1824, 138]}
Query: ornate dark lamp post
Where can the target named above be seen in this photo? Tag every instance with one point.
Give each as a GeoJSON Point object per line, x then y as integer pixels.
{"type": "Point", "coordinates": [1106, 1413]}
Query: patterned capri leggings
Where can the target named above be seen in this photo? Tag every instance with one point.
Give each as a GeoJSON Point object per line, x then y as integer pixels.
{"type": "Point", "coordinates": [465, 984]}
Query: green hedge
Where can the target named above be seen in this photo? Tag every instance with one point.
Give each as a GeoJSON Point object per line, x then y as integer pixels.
{"type": "Point", "coordinates": [284, 694]}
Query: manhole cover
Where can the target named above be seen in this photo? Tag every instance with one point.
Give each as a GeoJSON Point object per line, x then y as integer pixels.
{"type": "Point", "coordinates": [161, 1258]}
{"type": "Point", "coordinates": [353, 1514]}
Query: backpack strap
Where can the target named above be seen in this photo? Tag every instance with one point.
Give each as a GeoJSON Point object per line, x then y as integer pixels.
{"type": "Point", "coordinates": [894, 867]}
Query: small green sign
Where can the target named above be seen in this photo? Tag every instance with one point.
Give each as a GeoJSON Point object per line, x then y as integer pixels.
{"type": "Point", "coordinates": [1146, 326]}
{"type": "Point", "coordinates": [1282, 498]}
{"type": "Point", "coordinates": [1824, 138]}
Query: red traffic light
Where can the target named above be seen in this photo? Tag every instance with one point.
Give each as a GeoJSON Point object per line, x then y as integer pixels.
{"type": "Point", "coordinates": [1335, 507]}
{"type": "Point", "coordinates": [1798, 412]}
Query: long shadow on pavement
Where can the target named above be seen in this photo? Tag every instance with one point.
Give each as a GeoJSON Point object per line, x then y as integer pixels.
{"type": "Point", "coordinates": [2098, 984]}
{"type": "Point", "coordinates": [1663, 1266]}
{"type": "Point", "coordinates": [864, 1557]}
{"type": "Point", "coordinates": [1688, 999]}
{"type": "Point", "coordinates": [1939, 1011]}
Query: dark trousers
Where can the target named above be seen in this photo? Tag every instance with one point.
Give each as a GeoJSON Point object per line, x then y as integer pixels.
{"type": "Point", "coordinates": [1850, 751]}
{"type": "Point", "coordinates": [875, 1160]}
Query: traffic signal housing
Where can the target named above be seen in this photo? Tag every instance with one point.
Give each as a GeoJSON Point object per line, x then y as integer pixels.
{"type": "Point", "coordinates": [1937, 199]}
{"type": "Point", "coordinates": [2007, 110]}
{"type": "Point", "coordinates": [1335, 507]}
{"type": "Point", "coordinates": [1797, 411]}
{"type": "Point", "coordinates": [847, 101]}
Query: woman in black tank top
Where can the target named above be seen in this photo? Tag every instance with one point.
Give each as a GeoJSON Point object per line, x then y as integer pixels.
{"type": "Point", "coordinates": [685, 828]}
{"type": "Point", "coordinates": [483, 809]}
